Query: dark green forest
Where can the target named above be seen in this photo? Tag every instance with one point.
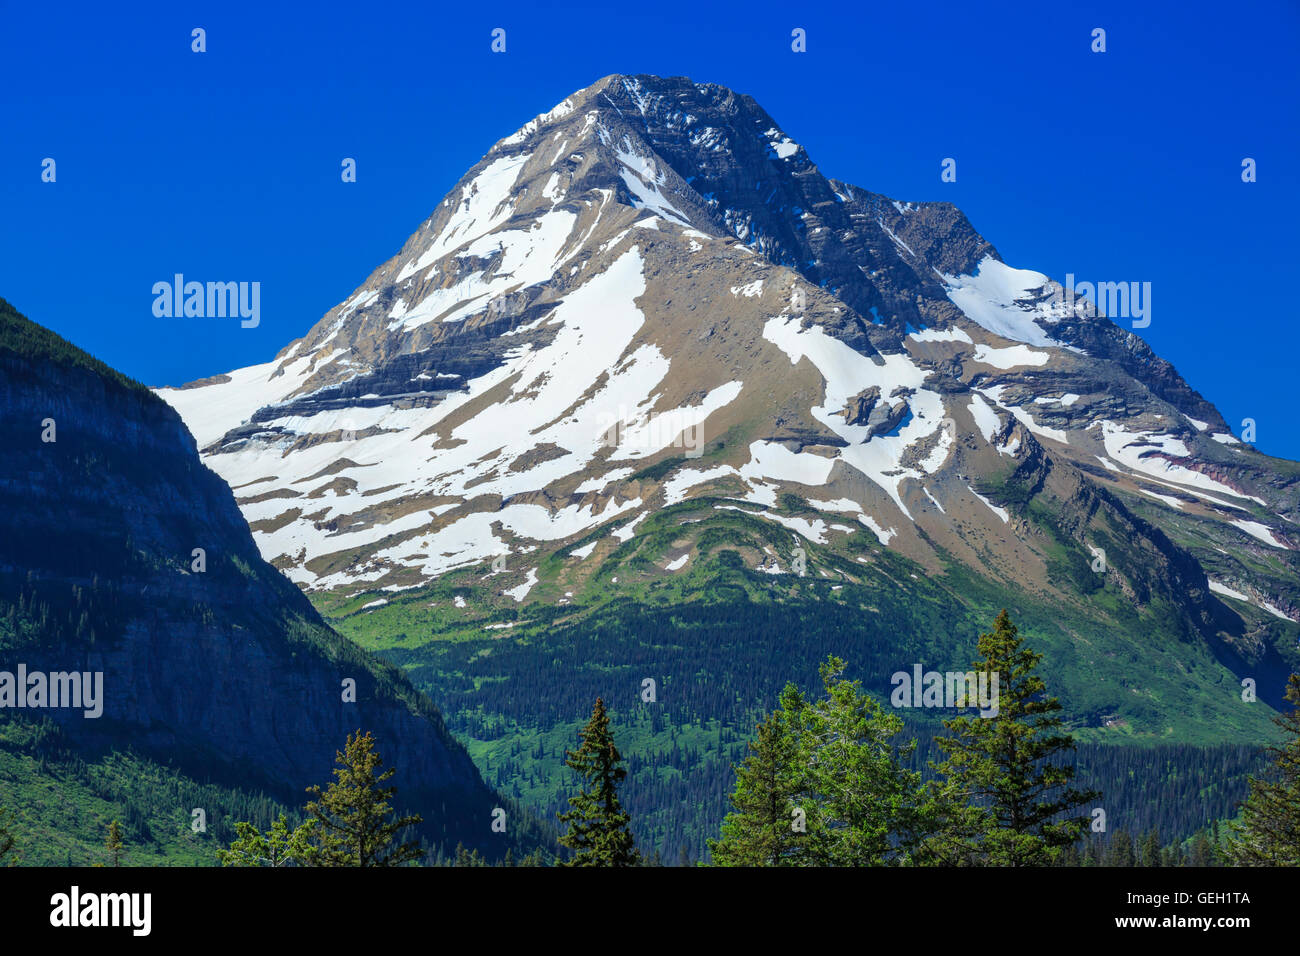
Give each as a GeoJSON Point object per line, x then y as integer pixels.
{"type": "Point", "coordinates": [517, 705]}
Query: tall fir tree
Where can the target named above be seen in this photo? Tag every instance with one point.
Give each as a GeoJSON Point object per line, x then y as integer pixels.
{"type": "Point", "coordinates": [1120, 852]}
{"type": "Point", "coordinates": [114, 843]}
{"type": "Point", "coordinates": [1269, 831]}
{"type": "Point", "coordinates": [352, 817]}
{"type": "Point", "coordinates": [767, 825]}
{"type": "Point", "coordinates": [826, 785]}
{"type": "Point", "coordinates": [598, 833]}
{"type": "Point", "coordinates": [1202, 852]}
{"type": "Point", "coordinates": [870, 806]}
{"type": "Point", "coordinates": [1149, 852]}
{"type": "Point", "coordinates": [1002, 792]}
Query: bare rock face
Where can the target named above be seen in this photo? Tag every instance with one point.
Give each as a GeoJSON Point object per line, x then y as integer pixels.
{"type": "Point", "coordinates": [860, 407]}
{"type": "Point", "coordinates": [652, 272]}
{"type": "Point", "coordinates": [876, 416]}
{"type": "Point", "coordinates": [132, 559]}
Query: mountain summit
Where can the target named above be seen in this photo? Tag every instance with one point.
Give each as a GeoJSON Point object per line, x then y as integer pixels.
{"type": "Point", "coordinates": [648, 301]}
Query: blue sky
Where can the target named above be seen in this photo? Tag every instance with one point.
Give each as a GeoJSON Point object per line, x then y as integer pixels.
{"type": "Point", "coordinates": [225, 165]}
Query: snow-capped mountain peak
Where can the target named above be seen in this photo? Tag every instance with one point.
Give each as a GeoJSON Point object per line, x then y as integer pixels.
{"type": "Point", "coordinates": [650, 294]}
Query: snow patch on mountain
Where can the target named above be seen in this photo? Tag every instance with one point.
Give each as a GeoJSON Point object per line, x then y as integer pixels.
{"type": "Point", "coordinates": [521, 592]}
{"type": "Point", "coordinates": [1146, 452]}
{"type": "Point", "coordinates": [846, 372]}
{"type": "Point", "coordinates": [997, 298]}
{"type": "Point", "coordinates": [1220, 588]}
{"type": "Point", "coordinates": [1012, 357]}
{"type": "Point", "coordinates": [1261, 532]}
{"type": "Point", "coordinates": [986, 419]}
{"type": "Point", "coordinates": [940, 335]}
{"type": "Point", "coordinates": [1000, 512]}
{"type": "Point", "coordinates": [484, 205]}
{"type": "Point", "coordinates": [209, 410]}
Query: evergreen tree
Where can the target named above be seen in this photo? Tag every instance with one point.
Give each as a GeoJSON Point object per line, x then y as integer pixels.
{"type": "Point", "coordinates": [870, 808]}
{"type": "Point", "coordinates": [279, 846]}
{"type": "Point", "coordinates": [768, 826]}
{"type": "Point", "coordinates": [1120, 851]}
{"type": "Point", "coordinates": [825, 785]}
{"type": "Point", "coordinates": [598, 826]}
{"type": "Point", "coordinates": [466, 857]}
{"type": "Point", "coordinates": [1149, 852]}
{"type": "Point", "coordinates": [1093, 855]}
{"type": "Point", "coordinates": [1001, 795]}
{"type": "Point", "coordinates": [1202, 852]}
{"type": "Point", "coordinates": [1269, 831]}
{"type": "Point", "coordinates": [114, 843]}
{"type": "Point", "coordinates": [6, 836]}
{"type": "Point", "coordinates": [352, 825]}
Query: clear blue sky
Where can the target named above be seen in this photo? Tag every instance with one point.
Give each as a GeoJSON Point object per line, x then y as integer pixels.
{"type": "Point", "coordinates": [225, 165]}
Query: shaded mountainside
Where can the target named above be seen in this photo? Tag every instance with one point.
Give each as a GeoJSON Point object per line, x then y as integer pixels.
{"type": "Point", "coordinates": [645, 362]}
{"type": "Point", "coordinates": [226, 674]}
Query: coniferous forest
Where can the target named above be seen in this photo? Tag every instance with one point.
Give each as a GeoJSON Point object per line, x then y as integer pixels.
{"type": "Point", "coordinates": [830, 778]}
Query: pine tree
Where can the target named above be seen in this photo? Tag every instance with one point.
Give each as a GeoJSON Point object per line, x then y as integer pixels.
{"type": "Point", "coordinates": [1269, 831]}
{"type": "Point", "coordinates": [598, 826]}
{"type": "Point", "coordinates": [279, 846]}
{"type": "Point", "coordinates": [114, 842]}
{"type": "Point", "coordinates": [767, 825]}
{"type": "Point", "coordinates": [1001, 793]}
{"type": "Point", "coordinates": [352, 825]}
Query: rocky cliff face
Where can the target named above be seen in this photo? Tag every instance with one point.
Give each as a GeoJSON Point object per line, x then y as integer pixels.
{"type": "Point", "coordinates": [220, 667]}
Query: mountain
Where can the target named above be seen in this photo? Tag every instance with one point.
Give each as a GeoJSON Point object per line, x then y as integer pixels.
{"type": "Point", "coordinates": [215, 669]}
{"type": "Point", "coordinates": [649, 396]}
